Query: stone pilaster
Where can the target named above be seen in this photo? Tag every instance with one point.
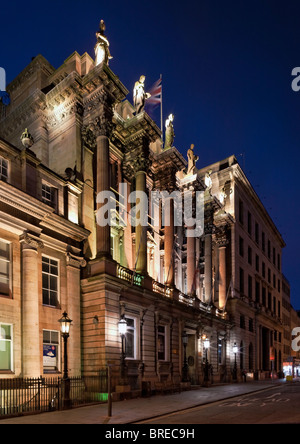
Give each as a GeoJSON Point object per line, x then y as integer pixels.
{"type": "Point", "coordinates": [31, 346]}
{"type": "Point", "coordinates": [73, 308]}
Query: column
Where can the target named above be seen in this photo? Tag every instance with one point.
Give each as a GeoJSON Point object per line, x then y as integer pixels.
{"type": "Point", "coordinates": [208, 267]}
{"type": "Point", "coordinates": [141, 229]}
{"type": "Point", "coordinates": [31, 334]}
{"type": "Point", "coordinates": [103, 184]}
{"type": "Point", "coordinates": [169, 243]}
{"type": "Point", "coordinates": [222, 277]}
{"type": "Point", "coordinates": [191, 251]}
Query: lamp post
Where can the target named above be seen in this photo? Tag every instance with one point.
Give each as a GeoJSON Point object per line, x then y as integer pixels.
{"type": "Point", "coordinates": [122, 324]}
{"type": "Point", "coordinates": [185, 368]}
{"type": "Point", "coordinates": [65, 323]}
{"type": "Point", "coordinates": [234, 373]}
{"type": "Point", "coordinates": [206, 345]}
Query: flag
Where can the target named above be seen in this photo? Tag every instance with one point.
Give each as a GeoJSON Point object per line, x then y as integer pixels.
{"type": "Point", "coordinates": [156, 94]}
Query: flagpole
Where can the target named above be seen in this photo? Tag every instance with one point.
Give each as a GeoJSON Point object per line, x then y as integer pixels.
{"type": "Point", "coordinates": [161, 114]}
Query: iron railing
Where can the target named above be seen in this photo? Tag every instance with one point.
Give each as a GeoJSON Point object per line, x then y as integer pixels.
{"type": "Point", "coordinates": [35, 395]}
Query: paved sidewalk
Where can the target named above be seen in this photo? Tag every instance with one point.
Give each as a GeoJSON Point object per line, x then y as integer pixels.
{"type": "Point", "coordinates": [133, 410]}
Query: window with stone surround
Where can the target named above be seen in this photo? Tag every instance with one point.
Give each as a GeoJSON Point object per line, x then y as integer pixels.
{"type": "Point", "coordinates": [50, 351]}
{"type": "Point", "coordinates": [6, 348]}
{"type": "Point", "coordinates": [50, 271]}
{"type": "Point", "coordinates": [3, 169]}
{"type": "Point", "coordinates": [162, 342]}
{"type": "Point", "coordinates": [49, 195]}
{"type": "Point", "coordinates": [131, 338]}
{"type": "Point", "coordinates": [5, 268]}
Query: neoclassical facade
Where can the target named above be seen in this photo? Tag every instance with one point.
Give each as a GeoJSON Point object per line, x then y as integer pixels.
{"type": "Point", "coordinates": [71, 134]}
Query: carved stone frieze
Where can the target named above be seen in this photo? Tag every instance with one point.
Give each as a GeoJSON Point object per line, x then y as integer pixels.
{"type": "Point", "coordinates": [88, 138]}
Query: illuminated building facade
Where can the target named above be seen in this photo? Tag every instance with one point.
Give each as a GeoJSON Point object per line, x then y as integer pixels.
{"type": "Point", "coordinates": [70, 134]}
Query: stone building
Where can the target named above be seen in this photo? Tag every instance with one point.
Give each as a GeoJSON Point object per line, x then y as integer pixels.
{"type": "Point", "coordinates": [253, 269]}
{"type": "Point", "coordinates": [84, 137]}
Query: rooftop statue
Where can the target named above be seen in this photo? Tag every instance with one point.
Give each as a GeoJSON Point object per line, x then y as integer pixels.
{"type": "Point", "coordinates": [102, 52]}
{"type": "Point", "coordinates": [192, 159]}
{"type": "Point", "coordinates": [169, 132]}
{"type": "Point", "coordinates": [139, 95]}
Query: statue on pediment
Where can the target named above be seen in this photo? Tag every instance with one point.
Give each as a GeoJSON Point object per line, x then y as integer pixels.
{"type": "Point", "coordinates": [102, 52]}
{"type": "Point", "coordinates": [139, 95]}
{"type": "Point", "coordinates": [192, 159]}
{"type": "Point", "coordinates": [169, 136]}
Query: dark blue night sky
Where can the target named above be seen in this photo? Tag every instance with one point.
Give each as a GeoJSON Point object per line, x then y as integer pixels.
{"type": "Point", "coordinates": [226, 68]}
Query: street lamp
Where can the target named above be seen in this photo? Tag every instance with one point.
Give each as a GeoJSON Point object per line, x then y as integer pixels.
{"type": "Point", "coordinates": [185, 369]}
{"type": "Point", "coordinates": [206, 345]}
{"type": "Point", "coordinates": [122, 324]}
{"type": "Point", "coordinates": [65, 323]}
{"type": "Point", "coordinates": [234, 373]}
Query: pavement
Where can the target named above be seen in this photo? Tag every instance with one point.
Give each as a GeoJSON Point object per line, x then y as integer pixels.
{"type": "Point", "coordinates": [134, 410]}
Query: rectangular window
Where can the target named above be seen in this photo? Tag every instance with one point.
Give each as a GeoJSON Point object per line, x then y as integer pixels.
{"type": "Point", "coordinates": [241, 280]}
{"type": "Point", "coordinates": [263, 241]}
{"type": "Point", "coordinates": [161, 343]}
{"type": "Point", "coordinates": [257, 292]}
{"type": "Point", "coordinates": [249, 255]}
{"type": "Point", "coordinates": [257, 263]}
{"type": "Point", "coordinates": [130, 342]}
{"type": "Point", "coordinates": [263, 295]}
{"type": "Point", "coordinates": [49, 195]}
{"type": "Point", "coordinates": [5, 268]}
{"type": "Point", "coordinates": [241, 246]}
{"type": "Point", "coordinates": [3, 169]}
{"type": "Point", "coordinates": [256, 233]}
{"type": "Point", "coordinates": [250, 287]}
{"type": "Point", "coordinates": [241, 212]}
{"type": "Point", "coordinates": [6, 347]}
{"type": "Point", "coordinates": [249, 223]}
{"type": "Point", "coordinates": [50, 350]}
{"type": "Point", "coordinates": [50, 276]}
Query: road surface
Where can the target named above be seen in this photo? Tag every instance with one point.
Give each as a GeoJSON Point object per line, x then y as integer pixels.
{"type": "Point", "coordinates": [278, 405]}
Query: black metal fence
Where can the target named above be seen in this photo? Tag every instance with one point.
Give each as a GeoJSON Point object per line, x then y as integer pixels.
{"type": "Point", "coordinates": [35, 395]}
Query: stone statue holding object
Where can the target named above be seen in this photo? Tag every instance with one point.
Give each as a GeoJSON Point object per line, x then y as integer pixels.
{"type": "Point", "coordinates": [102, 52]}
{"type": "Point", "coordinates": [139, 95]}
{"type": "Point", "coordinates": [192, 159]}
{"type": "Point", "coordinates": [169, 136]}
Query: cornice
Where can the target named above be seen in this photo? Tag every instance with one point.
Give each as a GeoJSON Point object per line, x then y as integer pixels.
{"type": "Point", "coordinates": [16, 198]}
{"type": "Point", "coordinates": [102, 74]}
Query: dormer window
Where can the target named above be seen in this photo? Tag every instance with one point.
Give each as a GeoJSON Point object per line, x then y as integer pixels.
{"type": "Point", "coordinates": [3, 169]}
